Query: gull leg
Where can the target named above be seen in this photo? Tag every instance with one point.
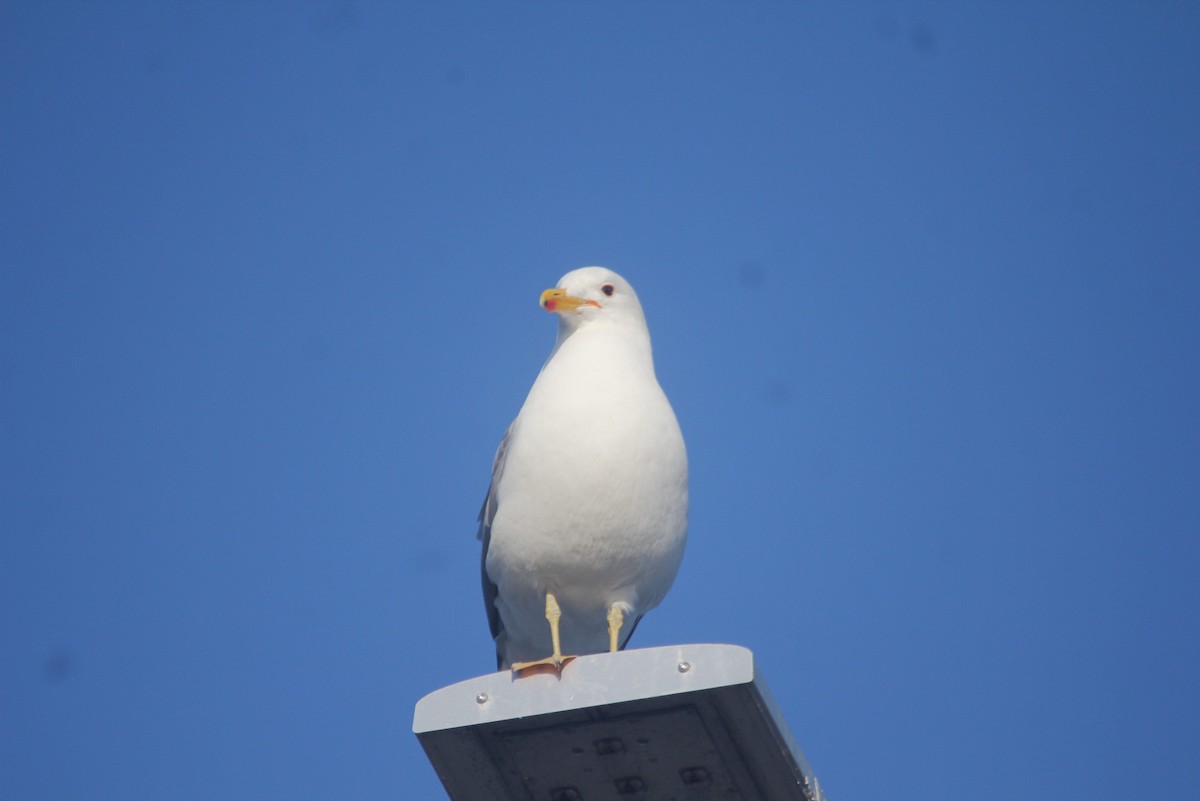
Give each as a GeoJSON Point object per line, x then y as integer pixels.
{"type": "Point", "coordinates": [616, 618]}
{"type": "Point", "coordinates": [555, 660]}
{"type": "Point", "coordinates": [553, 614]}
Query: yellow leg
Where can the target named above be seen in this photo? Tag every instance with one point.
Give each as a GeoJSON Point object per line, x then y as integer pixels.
{"type": "Point", "coordinates": [616, 618]}
{"type": "Point", "coordinates": [553, 613]}
{"type": "Point", "coordinates": [556, 661]}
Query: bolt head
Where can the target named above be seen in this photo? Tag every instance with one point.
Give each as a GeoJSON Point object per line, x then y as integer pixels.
{"type": "Point", "coordinates": [684, 667]}
{"type": "Point", "coordinates": [482, 698]}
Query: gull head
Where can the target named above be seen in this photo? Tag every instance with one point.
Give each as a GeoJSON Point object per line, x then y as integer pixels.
{"type": "Point", "coordinates": [591, 295]}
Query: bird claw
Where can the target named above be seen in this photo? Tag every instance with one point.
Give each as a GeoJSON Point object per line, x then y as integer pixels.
{"type": "Point", "coordinates": [551, 664]}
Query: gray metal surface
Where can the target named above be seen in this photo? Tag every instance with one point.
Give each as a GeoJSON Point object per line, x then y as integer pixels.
{"type": "Point", "coordinates": [678, 723]}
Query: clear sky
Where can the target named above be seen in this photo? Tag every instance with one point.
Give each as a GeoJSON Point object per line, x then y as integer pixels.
{"type": "Point", "coordinates": [924, 287]}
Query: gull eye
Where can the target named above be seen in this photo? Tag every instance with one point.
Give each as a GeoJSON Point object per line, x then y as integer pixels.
{"type": "Point", "coordinates": [607, 289]}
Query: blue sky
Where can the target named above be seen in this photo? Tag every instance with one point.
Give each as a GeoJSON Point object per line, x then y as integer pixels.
{"type": "Point", "coordinates": [923, 285]}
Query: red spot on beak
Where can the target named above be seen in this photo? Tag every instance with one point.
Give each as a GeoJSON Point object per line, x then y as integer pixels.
{"type": "Point", "coordinates": [551, 304]}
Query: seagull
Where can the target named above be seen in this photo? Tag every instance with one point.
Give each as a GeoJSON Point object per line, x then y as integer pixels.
{"type": "Point", "coordinates": [585, 521]}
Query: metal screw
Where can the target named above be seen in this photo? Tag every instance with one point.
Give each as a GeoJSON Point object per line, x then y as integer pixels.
{"type": "Point", "coordinates": [482, 698]}
{"type": "Point", "coordinates": [684, 667]}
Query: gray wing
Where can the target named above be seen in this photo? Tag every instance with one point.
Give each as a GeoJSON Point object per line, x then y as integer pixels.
{"type": "Point", "coordinates": [632, 629]}
{"type": "Point", "coordinates": [486, 514]}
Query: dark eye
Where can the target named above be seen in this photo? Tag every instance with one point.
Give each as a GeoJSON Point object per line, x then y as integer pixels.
{"type": "Point", "coordinates": [607, 289]}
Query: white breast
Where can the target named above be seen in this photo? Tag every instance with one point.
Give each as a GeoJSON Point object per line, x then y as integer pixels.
{"type": "Point", "coordinates": [592, 503]}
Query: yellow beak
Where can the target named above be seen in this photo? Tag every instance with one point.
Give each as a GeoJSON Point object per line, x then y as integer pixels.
{"type": "Point", "coordinates": [557, 300]}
